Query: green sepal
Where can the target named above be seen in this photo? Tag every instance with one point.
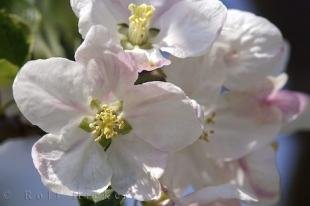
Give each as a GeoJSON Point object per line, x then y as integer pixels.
{"type": "Point", "coordinates": [107, 198]}
{"type": "Point", "coordinates": [117, 106]}
{"type": "Point", "coordinates": [163, 197]}
{"type": "Point", "coordinates": [123, 29]}
{"type": "Point", "coordinates": [95, 104]}
{"type": "Point", "coordinates": [105, 143]}
{"type": "Point", "coordinates": [84, 125]}
{"type": "Point", "coordinates": [126, 44]}
{"type": "Point", "coordinates": [153, 32]}
{"type": "Point", "coordinates": [126, 129]}
{"type": "Point", "coordinates": [146, 46]}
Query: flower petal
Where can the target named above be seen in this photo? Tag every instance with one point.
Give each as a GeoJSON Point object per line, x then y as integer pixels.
{"type": "Point", "coordinates": [136, 166]}
{"type": "Point", "coordinates": [50, 93]}
{"type": "Point", "coordinates": [197, 79]}
{"type": "Point", "coordinates": [301, 123]}
{"type": "Point", "coordinates": [292, 104]}
{"type": "Point", "coordinates": [231, 202]}
{"type": "Point", "coordinates": [98, 41]}
{"type": "Point", "coordinates": [209, 195]}
{"type": "Point", "coordinates": [162, 115]}
{"type": "Point", "coordinates": [148, 60]}
{"type": "Point", "coordinates": [72, 163]}
{"type": "Point", "coordinates": [249, 44]}
{"type": "Point", "coordinates": [93, 12]}
{"type": "Point", "coordinates": [241, 125]}
{"type": "Point", "coordinates": [191, 168]}
{"type": "Point", "coordinates": [190, 27]}
{"type": "Point", "coordinates": [261, 175]}
{"type": "Point", "coordinates": [109, 68]}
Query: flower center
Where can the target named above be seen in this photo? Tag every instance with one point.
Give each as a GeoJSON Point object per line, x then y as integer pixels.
{"type": "Point", "coordinates": [139, 23]}
{"type": "Point", "coordinates": [108, 122]}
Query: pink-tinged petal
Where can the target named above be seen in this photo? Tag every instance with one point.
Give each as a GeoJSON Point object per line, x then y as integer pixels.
{"type": "Point", "coordinates": [261, 175]}
{"type": "Point", "coordinates": [110, 77]}
{"type": "Point", "coordinates": [198, 80]}
{"type": "Point", "coordinates": [72, 163]}
{"type": "Point", "coordinates": [292, 104]}
{"type": "Point", "coordinates": [148, 60]}
{"type": "Point", "coordinates": [301, 123]}
{"type": "Point", "coordinates": [240, 125]}
{"type": "Point", "coordinates": [51, 93]}
{"type": "Point", "coordinates": [110, 69]}
{"type": "Point", "coordinates": [190, 27]}
{"type": "Point", "coordinates": [94, 12]}
{"type": "Point", "coordinates": [161, 114]}
{"type": "Point", "coordinates": [136, 166]}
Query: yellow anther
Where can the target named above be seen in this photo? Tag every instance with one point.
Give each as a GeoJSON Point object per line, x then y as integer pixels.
{"type": "Point", "coordinates": [205, 136]}
{"type": "Point", "coordinates": [211, 118]}
{"type": "Point", "coordinates": [107, 123]}
{"type": "Point", "coordinates": [139, 23]}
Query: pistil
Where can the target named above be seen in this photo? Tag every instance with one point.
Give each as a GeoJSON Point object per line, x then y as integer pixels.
{"type": "Point", "coordinates": [139, 23]}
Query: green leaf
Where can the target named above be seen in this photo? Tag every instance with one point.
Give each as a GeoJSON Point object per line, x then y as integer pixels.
{"type": "Point", "coordinates": [7, 72]}
{"type": "Point", "coordinates": [58, 34]}
{"type": "Point", "coordinates": [25, 9]}
{"type": "Point", "coordinates": [15, 39]}
{"type": "Point", "coordinates": [107, 198]}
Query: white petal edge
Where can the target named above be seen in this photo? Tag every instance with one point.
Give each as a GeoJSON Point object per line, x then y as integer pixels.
{"type": "Point", "coordinates": [72, 163]}
{"type": "Point", "coordinates": [136, 167]}
{"type": "Point", "coordinates": [242, 124]}
{"type": "Point", "coordinates": [261, 175]}
{"type": "Point", "coordinates": [51, 93]}
{"type": "Point", "coordinates": [198, 80]}
{"type": "Point", "coordinates": [190, 27]}
{"type": "Point", "coordinates": [93, 12]}
{"type": "Point", "coordinates": [161, 114]}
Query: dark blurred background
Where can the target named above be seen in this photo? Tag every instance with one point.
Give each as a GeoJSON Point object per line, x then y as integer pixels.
{"type": "Point", "coordinates": [47, 28]}
{"type": "Point", "coordinates": [292, 17]}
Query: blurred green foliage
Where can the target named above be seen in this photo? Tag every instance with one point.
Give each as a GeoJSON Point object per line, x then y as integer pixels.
{"type": "Point", "coordinates": [15, 38]}
{"type": "Point", "coordinates": [7, 72]}
{"type": "Point", "coordinates": [32, 29]}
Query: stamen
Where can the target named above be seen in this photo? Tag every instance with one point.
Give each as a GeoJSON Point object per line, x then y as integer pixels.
{"type": "Point", "coordinates": [211, 118]}
{"type": "Point", "coordinates": [108, 122]}
{"type": "Point", "coordinates": [139, 23]}
{"type": "Point", "coordinates": [209, 121]}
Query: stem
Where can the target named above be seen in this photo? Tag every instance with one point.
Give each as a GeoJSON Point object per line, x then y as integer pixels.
{"type": "Point", "coordinates": [6, 106]}
{"type": "Point", "coordinates": [15, 127]}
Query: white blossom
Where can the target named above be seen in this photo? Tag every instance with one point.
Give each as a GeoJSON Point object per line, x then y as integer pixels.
{"type": "Point", "coordinates": [102, 129]}
{"type": "Point", "coordinates": [253, 178]}
{"type": "Point", "coordinates": [183, 28]}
